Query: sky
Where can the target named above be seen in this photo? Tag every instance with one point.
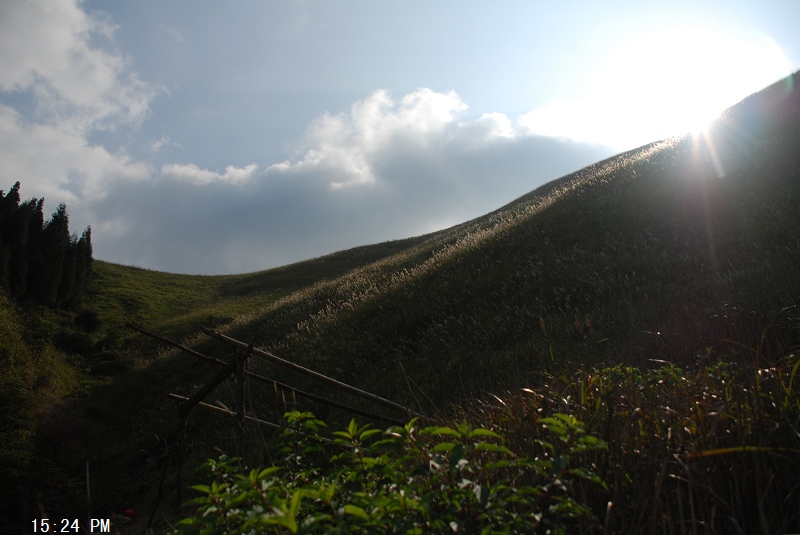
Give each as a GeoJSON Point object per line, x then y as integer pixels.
{"type": "Point", "coordinates": [214, 138]}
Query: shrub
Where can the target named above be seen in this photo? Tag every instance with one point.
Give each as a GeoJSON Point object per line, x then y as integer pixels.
{"type": "Point", "coordinates": [404, 480]}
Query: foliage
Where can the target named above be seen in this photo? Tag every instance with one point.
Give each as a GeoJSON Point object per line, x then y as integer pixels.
{"type": "Point", "coordinates": [40, 260]}
{"type": "Point", "coordinates": [34, 379]}
{"type": "Point", "coordinates": [435, 479]}
{"type": "Point", "coordinates": [708, 448]}
{"type": "Point", "coordinates": [575, 292]}
{"type": "Point", "coordinates": [649, 255]}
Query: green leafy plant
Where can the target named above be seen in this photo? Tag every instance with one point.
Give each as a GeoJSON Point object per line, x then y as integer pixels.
{"type": "Point", "coordinates": [405, 479]}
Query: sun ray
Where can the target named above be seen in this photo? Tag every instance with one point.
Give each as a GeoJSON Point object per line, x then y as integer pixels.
{"type": "Point", "coordinates": [663, 83]}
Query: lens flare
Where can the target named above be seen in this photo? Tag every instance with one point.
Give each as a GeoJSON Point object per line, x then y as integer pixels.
{"type": "Point", "coordinates": [663, 83]}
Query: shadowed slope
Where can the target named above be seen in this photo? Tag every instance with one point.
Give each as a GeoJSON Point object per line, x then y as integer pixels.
{"type": "Point", "coordinates": [666, 252]}
{"type": "Point", "coordinates": [650, 301]}
{"type": "Point", "coordinates": [649, 254]}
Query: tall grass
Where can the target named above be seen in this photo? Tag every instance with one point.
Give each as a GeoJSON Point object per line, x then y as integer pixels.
{"type": "Point", "coordinates": [575, 292]}
{"type": "Point", "coordinates": [711, 448]}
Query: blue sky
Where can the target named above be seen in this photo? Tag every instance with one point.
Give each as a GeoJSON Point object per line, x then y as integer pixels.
{"type": "Point", "coordinates": [209, 137]}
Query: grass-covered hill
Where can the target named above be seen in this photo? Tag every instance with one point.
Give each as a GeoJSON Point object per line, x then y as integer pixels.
{"type": "Point", "coordinates": [659, 253]}
{"type": "Point", "coordinates": [684, 253]}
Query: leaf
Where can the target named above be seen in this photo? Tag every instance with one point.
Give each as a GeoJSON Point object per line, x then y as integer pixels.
{"type": "Point", "coordinates": [487, 446]}
{"type": "Point", "coordinates": [396, 442]}
{"type": "Point", "coordinates": [441, 431]}
{"type": "Point", "coordinates": [456, 454]}
{"type": "Point", "coordinates": [355, 511]}
{"type": "Point", "coordinates": [267, 471]}
{"type": "Point", "coordinates": [368, 433]}
{"type": "Point", "coordinates": [444, 446]}
{"type": "Point", "coordinates": [589, 440]}
{"type": "Point", "coordinates": [568, 419]}
{"type": "Point", "coordinates": [464, 428]}
{"type": "Point", "coordinates": [497, 464]}
{"type": "Point", "coordinates": [485, 433]}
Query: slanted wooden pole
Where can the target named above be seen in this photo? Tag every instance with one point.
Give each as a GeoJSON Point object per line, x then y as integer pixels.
{"type": "Point", "coordinates": [338, 384]}
{"type": "Point", "coordinates": [161, 484]}
{"type": "Point", "coordinates": [134, 327]}
{"type": "Point", "coordinates": [266, 380]}
{"type": "Point", "coordinates": [256, 421]}
{"type": "Point", "coordinates": [179, 477]}
{"type": "Point", "coordinates": [88, 496]}
{"type": "Point", "coordinates": [183, 399]}
{"type": "Point", "coordinates": [205, 390]}
{"type": "Point", "coordinates": [241, 360]}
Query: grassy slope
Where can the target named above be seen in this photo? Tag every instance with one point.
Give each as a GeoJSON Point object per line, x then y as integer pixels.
{"type": "Point", "coordinates": [649, 242]}
{"type": "Point", "coordinates": [179, 304]}
{"type": "Point", "coordinates": [118, 424]}
{"type": "Point", "coordinates": [589, 268]}
{"type": "Point", "coordinates": [35, 379]}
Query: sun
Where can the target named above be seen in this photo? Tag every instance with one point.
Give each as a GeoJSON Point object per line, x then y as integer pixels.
{"type": "Point", "coordinates": [662, 83]}
{"type": "Point", "coordinates": [678, 80]}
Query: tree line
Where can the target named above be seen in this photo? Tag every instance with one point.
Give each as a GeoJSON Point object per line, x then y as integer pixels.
{"type": "Point", "coordinates": [40, 260]}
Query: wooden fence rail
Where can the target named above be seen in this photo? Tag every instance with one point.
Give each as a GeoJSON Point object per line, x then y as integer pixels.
{"type": "Point", "coordinates": [325, 379]}
{"type": "Point", "coordinates": [275, 384]}
{"type": "Point", "coordinates": [237, 367]}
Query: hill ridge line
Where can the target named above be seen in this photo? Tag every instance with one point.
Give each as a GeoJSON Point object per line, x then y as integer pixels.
{"type": "Point", "coordinates": [367, 283]}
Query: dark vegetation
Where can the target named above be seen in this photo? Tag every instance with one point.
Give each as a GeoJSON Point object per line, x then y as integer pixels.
{"type": "Point", "coordinates": [41, 265]}
{"type": "Point", "coordinates": [41, 261]}
{"type": "Point", "coordinates": [626, 335]}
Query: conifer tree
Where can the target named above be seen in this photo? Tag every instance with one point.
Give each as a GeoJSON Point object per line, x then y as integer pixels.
{"type": "Point", "coordinates": [87, 254]}
{"type": "Point", "coordinates": [18, 247]}
{"type": "Point", "coordinates": [68, 273]}
{"type": "Point", "coordinates": [42, 261]}
{"type": "Point", "coordinates": [35, 257]}
{"type": "Point", "coordinates": [83, 265]}
{"type": "Point", "coordinates": [55, 241]}
{"type": "Point", "coordinates": [9, 204]}
{"type": "Point", "coordinates": [4, 252]}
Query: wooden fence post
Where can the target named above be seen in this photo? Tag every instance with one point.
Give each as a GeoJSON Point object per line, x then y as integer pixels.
{"type": "Point", "coordinates": [333, 382]}
{"type": "Point", "coordinates": [241, 360]}
{"type": "Point", "coordinates": [275, 384]}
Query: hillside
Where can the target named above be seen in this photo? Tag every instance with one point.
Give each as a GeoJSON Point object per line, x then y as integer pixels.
{"type": "Point", "coordinates": [682, 251]}
{"type": "Point", "coordinates": [648, 255]}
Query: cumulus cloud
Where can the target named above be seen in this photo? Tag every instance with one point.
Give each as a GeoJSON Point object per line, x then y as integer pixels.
{"type": "Point", "coordinates": [57, 88]}
{"type": "Point", "coordinates": [344, 145]}
{"type": "Point", "coordinates": [194, 175]}
{"type": "Point", "coordinates": [385, 169]}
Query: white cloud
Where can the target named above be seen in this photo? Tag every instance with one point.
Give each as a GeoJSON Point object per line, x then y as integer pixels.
{"type": "Point", "coordinates": [574, 119]}
{"type": "Point", "coordinates": [52, 161]}
{"type": "Point", "coordinates": [49, 57]}
{"type": "Point", "coordinates": [156, 145]}
{"type": "Point", "coordinates": [192, 220]}
{"type": "Point", "coordinates": [347, 145]}
{"type": "Point", "coordinates": [385, 169]}
{"type": "Point", "coordinates": [499, 125]}
{"type": "Point", "coordinates": [194, 175]}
